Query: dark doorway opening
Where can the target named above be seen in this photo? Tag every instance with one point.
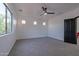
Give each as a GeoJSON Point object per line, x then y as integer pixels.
{"type": "Point", "coordinates": [70, 30]}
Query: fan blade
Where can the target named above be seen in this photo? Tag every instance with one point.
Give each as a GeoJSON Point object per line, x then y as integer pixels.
{"type": "Point", "coordinates": [42, 14]}
{"type": "Point", "coordinates": [50, 13]}
{"type": "Point", "coordinates": [43, 8]}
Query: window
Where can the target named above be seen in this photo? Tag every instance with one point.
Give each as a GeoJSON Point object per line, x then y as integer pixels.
{"type": "Point", "coordinates": [5, 19]}
{"type": "Point", "coordinates": [9, 21]}
{"type": "Point", "coordinates": [2, 19]}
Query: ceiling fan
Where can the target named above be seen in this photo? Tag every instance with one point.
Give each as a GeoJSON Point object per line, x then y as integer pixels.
{"type": "Point", "coordinates": [45, 12]}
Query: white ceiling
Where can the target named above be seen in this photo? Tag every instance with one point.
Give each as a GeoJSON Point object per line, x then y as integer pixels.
{"type": "Point", "coordinates": [34, 9]}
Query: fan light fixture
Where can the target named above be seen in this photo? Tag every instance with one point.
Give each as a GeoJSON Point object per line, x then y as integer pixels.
{"type": "Point", "coordinates": [45, 13]}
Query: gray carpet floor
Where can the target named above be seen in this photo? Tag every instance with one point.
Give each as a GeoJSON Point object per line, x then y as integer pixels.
{"type": "Point", "coordinates": [43, 47]}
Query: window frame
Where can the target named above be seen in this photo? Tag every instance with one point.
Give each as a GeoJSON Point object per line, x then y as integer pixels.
{"type": "Point", "coordinates": [7, 8]}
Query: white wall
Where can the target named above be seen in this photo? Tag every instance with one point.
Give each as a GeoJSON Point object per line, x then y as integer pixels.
{"type": "Point", "coordinates": [29, 30]}
{"type": "Point", "coordinates": [54, 28]}
{"type": "Point", "coordinates": [56, 24]}
{"type": "Point", "coordinates": [7, 41]}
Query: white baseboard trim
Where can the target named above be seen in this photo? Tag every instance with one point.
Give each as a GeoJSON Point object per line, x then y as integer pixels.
{"type": "Point", "coordinates": [43, 37]}
{"type": "Point", "coordinates": [56, 38]}
{"type": "Point", "coordinates": [11, 48]}
{"type": "Point", "coordinates": [32, 38]}
{"type": "Point", "coordinates": [4, 54]}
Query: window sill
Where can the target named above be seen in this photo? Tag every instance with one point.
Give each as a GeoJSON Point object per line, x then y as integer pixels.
{"type": "Point", "coordinates": [2, 35]}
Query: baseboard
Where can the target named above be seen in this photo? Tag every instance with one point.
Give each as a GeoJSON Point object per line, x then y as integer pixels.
{"type": "Point", "coordinates": [4, 54]}
{"type": "Point", "coordinates": [43, 37]}
{"type": "Point", "coordinates": [56, 38]}
{"type": "Point", "coordinates": [11, 48]}
{"type": "Point", "coordinates": [32, 38]}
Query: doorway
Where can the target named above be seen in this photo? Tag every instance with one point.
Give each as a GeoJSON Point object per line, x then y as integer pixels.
{"type": "Point", "coordinates": [70, 30]}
